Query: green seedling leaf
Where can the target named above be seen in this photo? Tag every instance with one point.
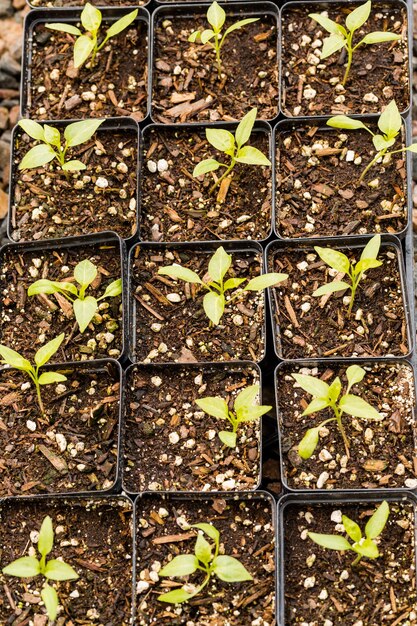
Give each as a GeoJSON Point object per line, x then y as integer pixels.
{"type": "Point", "coordinates": [264, 281]}
{"type": "Point", "coordinates": [240, 24]}
{"type": "Point", "coordinates": [228, 438]}
{"type": "Point", "coordinates": [74, 166]}
{"type": "Point", "coordinates": [210, 530]}
{"type": "Point", "coordinates": [213, 305]}
{"type": "Point", "coordinates": [216, 407]}
{"type": "Point", "coordinates": [377, 522]}
{"type": "Point", "coordinates": [58, 570]}
{"type": "Point", "coordinates": [203, 550]}
{"type": "Point", "coordinates": [380, 37]}
{"type": "Point", "coordinates": [49, 286]}
{"type": "Point", "coordinates": [83, 47]}
{"type": "Point", "coordinates": [195, 36]}
{"type": "Point", "coordinates": [219, 264]}
{"type": "Point", "coordinates": [245, 127]}
{"type": "Point", "coordinates": [316, 387]}
{"type": "Point", "coordinates": [46, 537]}
{"type": "Point", "coordinates": [353, 405]}
{"type": "Point", "coordinates": [230, 570]}
{"type": "Point", "coordinates": [206, 35]}
{"type": "Point", "coordinates": [381, 143]}
{"type": "Point", "coordinates": [14, 359]}
{"type": "Point", "coordinates": [345, 122]}
{"type": "Point", "coordinates": [48, 378]}
{"type": "Point", "coordinates": [332, 542]}
{"type": "Point", "coordinates": [308, 443]}
{"type": "Point", "coordinates": [252, 156]}
{"type": "Point", "coordinates": [80, 132]}
{"type": "Point", "coordinates": [113, 290]}
{"type": "Point", "coordinates": [182, 565]}
{"type": "Point", "coordinates": [351, 528]}
{"type": "Point", "coordinates": [37, 156]}
{"type": "Point", "coordinates": [366, 264]}
{"type": "Point", "coordinates": [221, 139]}
{"type": "Point", "coordinates": [332, 44]}
{"type": "Point", "coordinates": [232, 283]}
{"type": "Point", "coordinates": [44, 354]}
{"type": "Point", "coordinates": [52, 135]}
{"type": "Point", "coordinates": [51, 602]}
{"type": "Point", "coordinates": [359, 16]}
{"type": "Point", "coordinates": [121, 24]}
{"type": "Point", "coordinates": [317, 404]}
{"type": "Point", "coordinates": [180, 273]}
{"type": "Point", "coordinates": [247, 397]}
{"type": "Point", "coordinates": [336, 285]}
{"type": "Point", "coordinates": [367, 548]}
{"type": "Point", "coordinates": [33, 129]}
{"type": "Point", "coordinates": [206, 166]}
{"type": "Point", "coordinates": [216, 16]}
{"type": "Point", "coordinates": [91, 18]}
{"type": "Point", "coordinates": [335, 259]}
{"type": "Point", "coordinates": [328, 24]}
{"type": "Point", "coordinates": [64, 28]}
{"type": "Point", "coordinates": [25, 567]}
{"type": "Point", "coordinates": [175, 597]}
{"type": "Point", "coordinates": [412, 148]}
{"type": "Point", "coordinates": [84, 311]}
{"type": "Point", "coordinates": [371, 249]}
{"type": "Point", "coordinates": [85, 272]}
{"type": "Point", "coordinates": [355, 374]}
{"type": "Point", "coordinates": [335, 389]}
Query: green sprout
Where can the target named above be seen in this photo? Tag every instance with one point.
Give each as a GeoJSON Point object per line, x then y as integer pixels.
{"type": "Point", "coordinates": [389, 123]}
{"type": "Point", "coordinates": [216, 17]}
{"type": "Point", "coordinates": [233, 146]}
{"type": "Point", "coordinates": [325, 396]}
{"type": "Point", "coordinates": [42, 356]}
{"type": "Point", "coordinates": [86, 44]}
{"type": "Point", "coordinates": [85, 307]}
{"type": "Point", "coordinates": [54, 569]}
{"type": "Point", "coordinates": [245, 409]}
{"type": "Point", "coordinates": [355, 271]}
{"type": "Point", "coordinates": [215, 299]}
{"type": "Point", "coordinates": [363, 546]}
{"type": "Point", "coordinates": [341, 37]}
{"type": "Point", "coordinates": [227, 568]}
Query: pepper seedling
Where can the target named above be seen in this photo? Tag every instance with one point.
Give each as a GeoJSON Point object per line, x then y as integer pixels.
{"type": "Point", "coordinates": [245, 409]}
{"type": "Point", "coordinates": [389, 123]}
{"type": "Point", "coordinates": [355, 271]}
{"type": "Point", "coordinates": [363, 546]}
{"type": "Point", "coordinates": [325, 396]}
{"type": "Point", "coordinates": [54, 569]}
{"type": "Point", "coordinates": [51, 146]}
{"type": "Point", "coordinates": [214, 301]}
{"type": "Point", "coordinates": [216, 17]}
{"type": "Point", "coordinates": [232, 146]}
{"type": "Point", "coordinates": [86, 43]}
{"type": "Point", "coordinates": [42, 356]}
{"type": "Point", "coordinates": [84, 307]}
{"type": "Point", "coordinates": [227, 568]}
{"type": "Point", "coordinates": [341, 37]}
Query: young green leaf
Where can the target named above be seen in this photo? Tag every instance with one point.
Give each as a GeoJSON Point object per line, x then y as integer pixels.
{"type": "Point", "coordinates": [366, 264]}
{"type": "Point", "coordinates": [206, 35]}
{"type": "Point", "coordinates": [351, 528]}
{"type": "Point", "coordinates": [359, 408]}
{"type": "Point", "coordinates": [230, 570]}
{"type": "Point", "coordinates": [121, 24]}
{"type": "Point", "coordinates": [335, 259]}
{"type": "Point", "coordinates": [85, 272]}
{"type": "Point", "coordinates": [333, 287]}
{"type": "Point", "coordinates": [49, 286]}
{"type": "Point", "coordinates": [216, 407]}
{"type": "Point", "coordinates": [328, 24]}
{"type": "Point", "coordinates": [80, 132]}
{"type": "Point", "coordinates": [308, 443]}
{"type": "Point", "coordinates": [113, 290]}
{"type": "Point", "coordinates": [367, 548]}
{"type": "Point", "coordinates": [264, 281]}
{"type": "Point", "coordinates": [14, 359]}
{"type": "Point", "coordinates": [240, 24]}
{"type": "Point", "coordinates": [91, 18]}
{"type": "Point", "coordinates": [252, 156]}
{"type": "Point", "coordinates": [316, 387]}
{"type": "Point", "coordinates": [355, 374]}
{"type": "Point", "coordinates": [177, 596]}
{"type": "Point", "coordinates": [25, 567]}
{"type": "Point", "coordinates": [245, 127]}
{"type": "Point", "coordinates": [74, 166]}
{"type": "Point", "coordinates": [332, 542]}
{"type": "Point", "coordinates": [44, 354]}
{"type": "Point", "coordinates": [84, 311]}
{"type": "Point", "coordinates": [232, 283]}
{"type": "Point", "coordinates": [37, 157]}
{"type": "Point", "coordinates": [64, 28]}
{"type": "Point", "coordinates": [371, 249]}
{"type": "Point", "coordinates": [182, 565]}
{"type": "Point", "coordinates": [332, 44]}
{"type": "Point", "coordinates": [83, 47]}
{"type": "Point", "coordinates": [210, 530]}
{"type": "Point", "coordinates": [46, 537]}
{"type": "Point", "coordinates": [58, 570]}
{"type": "Point", "coordinates": [48, 378]}
{"type": "Point", "coordinates": [358, 16]}
{"type": "Point", "coordinates": [203, 550]}
{"type": "Point", "coordinates": [345, 122]}
{"type": "Point", "coordinates": [334, 390]}
{"type": "Point", "coordinates": [206, 166]}
{"type": "Point", "coordinates": [228, 438]}
{"type": "Point", "coordinates": [181, 273]}
{"type": "Point", "coordinates": [52, 135]}
{"type": "Point", "coordinates": [216, 16]}
{"type": "Point", "coordinates": [380, 37]}
{"type": "Point", "coordinates": [316, 405]}
{"type": "Point", "coordinates": [220, 139]}
{"type": "Point", "coordinates": [50, 600]}
{"type": "Point", "coordinates": [213, 305]}
{"type": "Point", "coordinates": [248, 396]}
{"type": "Point", "coordinates": [377, 522]}
{"type": "Point", "coordinates": [33, 129]}
{"type": "Point", "coordinates": [219, 264]}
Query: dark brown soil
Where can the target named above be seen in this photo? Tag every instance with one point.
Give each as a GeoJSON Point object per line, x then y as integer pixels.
{"type": "Point", "coordinates": [187, 86]}
{"type": "Point", "coordinates": [169, 331]}
{"type": "Point", "coordinates": [79, 3]}
{"type": "Point", "coordinates": [47, 205]}
{"type": "Point", "coordinates": [246, 531]}
{"type": "Point", "coordinates": [377, 326]}
{"type": "Point", "coordinates": [325, 586]}
{"type": "Point", "coordinates": [117, 85]}
{"type": "Point", "coordinates": [382, 454]}
{"type": "Point", "coordinates": [379, 72]}
{"type": "Point", "coordinates": [93, 536]}
{"type": "Point", "coordinates": [177, 207]}
{"type": "Point", "coordinates": [28, 322]}
{"type": "Point", "coordinates": [160, 408]}
{"type": "Point", "coordinates": [318, 188]}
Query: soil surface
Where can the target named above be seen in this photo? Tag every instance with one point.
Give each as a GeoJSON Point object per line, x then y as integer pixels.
{"type": "Point", "coordinates": [246, 532]}
{"type": "Point", "coordinates": [177, 207]}
{"type": "Point", "coordinates": [382, 453]}
{"type": "Point", "coordinates": [48, 205]}
{"type": "Point", "coordinates": [170, 321]}
{"type": "Point", "coordinates": [28, 322]}
{"type": "Point", "coordinates": [321, 585]}
{"type": "Point", "coordinates": [307, 326]}
{"type": "Point", "coordinates": [115, 86]}
{"type": "Point", "coordinates": [94, 537]}
{"type": "Point", "coordinates": [79, 3]}
{"type": "Point", "coordinates": [379, 72]}
{"type": "Point", "coordinates": [318, 188]}
{"type": "Point", "coordinates": [186, 83]}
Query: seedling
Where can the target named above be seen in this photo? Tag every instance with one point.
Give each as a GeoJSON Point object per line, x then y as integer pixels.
{"type": "Point", "coordinates": [51, 146]}
{"type": "Point", "coordinates": [54, 569]}
{"type": "Point", "coordinates": [215, 300]}
{"type": "Point", "coordinates": [42, 356]}
{"type": "Point", "coordinates": [245, 409]}
{"type": "Point", "coordinates": [227, 568]}
{"type": "Point", "coordinates": [85, 307]}
{"type": "Point", "coordinates": [389, 123]}
{"type": "Point", "coordinates": [363, 546]}
{"type": "Point", "coordinates": [216, 17]}
{"type": "Point", "coordinates": [341, 37]}
{"type": "Point", "coordinates": [232, 146]}
{"type": "Point", "coordinates": [355, 271]}
{"type": "Point", "coordinates": [325, 396]}
{"type": "Point", "coordinates": [86, 43]}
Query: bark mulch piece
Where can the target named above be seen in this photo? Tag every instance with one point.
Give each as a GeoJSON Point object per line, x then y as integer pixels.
{"type": "Point", "coordinates": [382, 454]}
{"type": "Point", "coordinates": [71, 449]}
{"type": "Point", "coordinates": [28, 322]}
{"type": "Point", "coordinates": [177, 207]}
{"type": "Point", "coordinates": [308, 326]}
{"type": "Point", "coordinates": [46, 205]}
{"type": "Point", "coordinates": [94, 536]}
{"type": "Point", "coordinates": [379, 72]}
{"type": "Point", "coordinates": [171, 325]}
{"type": "Point", "coordinates": [186, 84]}
{"type": "Point", "coordinates": [318, 188]}
{"type": "Point", "coordinates": [246, 529]}
{"type": "Point", "coordinates": [171, 444]}
{"type": "Point", "coordinates": [375, 592]}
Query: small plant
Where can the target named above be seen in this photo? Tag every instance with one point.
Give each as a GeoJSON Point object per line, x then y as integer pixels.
{"type": "Point", "coordinates": [363, 546]}
{"type": "Point", "coordinates": [51, 147]}
{"type": "Point", "coordinates": [42, 356]}
{"type": "Point", "coordinates": [355, 271]}
{"type": "Point", "coordinates": [85, 307]}
{"type": "Point", "coordinates": [341, 37]}
{"type": "Point", "coordinates": [216, 17]}
{"type": "Point", "coordinates": [232, 146]}
{"type": "Point", "coordinates": [227, 568]}
{"type": "Point", "coordinates": [324, 396]}
{"type": "Point", "coordinates": [215, 300]}
{"type": "Point", "coordinates": [245, 409]}
{"type": "Point", "coordinates": [54, 569]}
{"type": "Point", "coordinates": [389, 123]}
{"type": "Point", "coordinates": [86, 44]}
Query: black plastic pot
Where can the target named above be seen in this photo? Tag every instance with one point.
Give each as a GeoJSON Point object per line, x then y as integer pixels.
{"type": "Point", "coordinates": [75, 4]}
